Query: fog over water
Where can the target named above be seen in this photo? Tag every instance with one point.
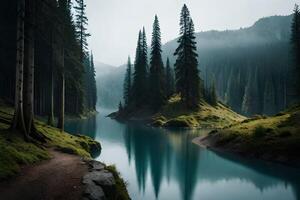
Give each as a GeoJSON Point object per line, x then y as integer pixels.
{"type": "Point", "coordinates": [114, 24]}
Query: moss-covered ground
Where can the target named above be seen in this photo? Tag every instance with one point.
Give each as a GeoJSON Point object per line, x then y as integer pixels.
{"type": "Point", "coordinates": [272, 138]}
{"type": "Point", "coordinates": [174, 114]}
{"type": "Point", "coordinates": [15, 152]}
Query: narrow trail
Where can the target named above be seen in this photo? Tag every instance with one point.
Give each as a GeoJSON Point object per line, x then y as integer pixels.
{"type": "Point", "coordinates": [55, 179]}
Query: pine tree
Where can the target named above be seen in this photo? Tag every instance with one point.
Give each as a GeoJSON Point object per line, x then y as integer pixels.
{"type": "Point", "coordinates": [139, 87]}
{"type": "Point", "coordinates": [81, 23]}
{"type": "Point", "coordinates": [144, 53]}
{"type": "Point", "coordinates": [186, 71]}
{"type": "Point", "coordinates": [295, 43]}
{"type": "Point", "coordinates": [269, 104]}
{"type": "Point", "coordinates": [156, 77]}
{"type": "Point", "coordinates": [169, 79]}
{"type": "Point", "coordinates": [127, 85]}
{"type": "Point", "coordinates": [93, 82]}
{"type": "Point", "coordinates": [121, 109]}
{"type": "Point", "coordinates": [213, 94]}
{"type": "Point", "coordinates": [251, 101]}
{"type": "Point", "coordinates": [87, 83]}
{"type": "Point", "coordinates": [82, 35]}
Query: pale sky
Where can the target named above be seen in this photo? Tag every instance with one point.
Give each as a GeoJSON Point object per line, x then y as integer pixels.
{"type": "Point", "coordinates": [114, 24]}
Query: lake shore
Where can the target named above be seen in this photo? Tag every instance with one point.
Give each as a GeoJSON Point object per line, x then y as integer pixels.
{"type": "Point", "coordinates": [209, 142]}
{"type": "Point", "coordinates": [58, 168]}
{"type": "Point", "coordinates": [274, 139]}
{"type": "Point", "coordinates": [65, 176]}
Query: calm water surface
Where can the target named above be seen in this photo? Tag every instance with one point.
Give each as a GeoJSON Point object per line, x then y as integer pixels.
{"type": "Point", "coordinates": [165, 164]}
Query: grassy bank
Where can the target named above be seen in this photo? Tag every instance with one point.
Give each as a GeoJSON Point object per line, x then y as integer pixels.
{"type": "Point", "coordinates": [15, 152]}
{"type": "Point", "coordinates": [275, 138]}
{"type": "Point", "coordinates": [174, 114]}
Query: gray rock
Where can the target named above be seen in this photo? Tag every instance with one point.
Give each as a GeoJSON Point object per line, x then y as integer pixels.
{"type": "Point", "coordinates": [97, 181]}
{"type": "Point", "coordinates": [105, 179]}
{"type": "Point", "coordinates": [98, 166]}
{"type": "Point", "coordinates": [94, 192]}
{"type": "Point", "coordinates": [89, 177]}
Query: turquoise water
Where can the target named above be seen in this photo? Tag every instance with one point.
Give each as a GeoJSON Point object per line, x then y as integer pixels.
{"type": "Point", "coordinates": [165, 164]}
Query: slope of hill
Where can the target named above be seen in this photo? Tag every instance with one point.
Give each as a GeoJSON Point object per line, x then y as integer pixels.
{"type": "Point", "coordinates": [265, 31]}
{"type": "Point", "coordinates": [235, 59]}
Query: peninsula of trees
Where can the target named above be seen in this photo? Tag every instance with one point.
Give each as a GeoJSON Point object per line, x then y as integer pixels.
{"type": "Point", "coordinates": [150, 85]}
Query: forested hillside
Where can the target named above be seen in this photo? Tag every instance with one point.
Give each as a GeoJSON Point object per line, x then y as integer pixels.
{"type": "Point", "coordinates": [248, 66]}
{"type": "Point", "coordinates": [238, 62]}
{"type": "Point", "coordinates": [52, 57]}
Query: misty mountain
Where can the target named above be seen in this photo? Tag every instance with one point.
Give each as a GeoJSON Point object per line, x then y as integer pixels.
{"type": "Point", "coordinates": [109, 84]}
{"type": "Point", "coordinates": [103, 69]}
{"type": "Point", "coordinates": [225, 55]}
{"type": "Point", "coordinates": [266, 31]}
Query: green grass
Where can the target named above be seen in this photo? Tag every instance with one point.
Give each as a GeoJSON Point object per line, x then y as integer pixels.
{"type": "Point", "coordinates": [278, 135]}
{"type": "Point", "coordinates": [174, 114]}
{"type": "Point", "coordinates": [15, 152]}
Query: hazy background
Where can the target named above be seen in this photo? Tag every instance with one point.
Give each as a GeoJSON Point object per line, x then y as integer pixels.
{"type": "Point", "coordinates": [114, 24]}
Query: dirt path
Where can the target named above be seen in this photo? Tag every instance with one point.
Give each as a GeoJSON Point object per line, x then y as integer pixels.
{"type": "Point", "coordinates": [58, 178]}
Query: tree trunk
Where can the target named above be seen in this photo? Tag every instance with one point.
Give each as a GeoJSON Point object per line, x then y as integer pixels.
{"type": "Point", "coordinates": [61, 117]}
{"type": "Point", "coordinates": [28, 91]}
{"type": "Point", "coordinates": [51, 108]}
{"type": "Point", "coordinates": [18, 120]}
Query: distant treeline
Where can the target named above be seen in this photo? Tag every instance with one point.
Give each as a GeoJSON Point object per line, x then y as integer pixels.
{"type": "Point", "coordinates": [45, 68]}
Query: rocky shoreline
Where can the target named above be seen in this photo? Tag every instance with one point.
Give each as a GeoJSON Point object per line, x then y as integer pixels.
{"type": "Point", "coordinates": [101, 183]}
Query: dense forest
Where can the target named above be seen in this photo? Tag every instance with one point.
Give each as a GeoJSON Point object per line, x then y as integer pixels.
{"type": "Point", "coordinates": [229, 59]}
{"type": "Point", "coordinates": [45, 66]}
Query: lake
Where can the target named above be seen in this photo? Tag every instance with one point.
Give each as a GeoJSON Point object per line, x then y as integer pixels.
{"type": "Point", "coordinates": [165, 164]}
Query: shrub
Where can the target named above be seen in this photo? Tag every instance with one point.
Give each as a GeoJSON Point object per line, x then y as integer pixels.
{"type": "Point", "coordinates": [285, 133]}
{"type": "Point", "coordinates": [260, 131]}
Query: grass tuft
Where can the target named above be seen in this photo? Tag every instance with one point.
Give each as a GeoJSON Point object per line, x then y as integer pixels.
{"type": "Point", "coordinates": [121, 192]}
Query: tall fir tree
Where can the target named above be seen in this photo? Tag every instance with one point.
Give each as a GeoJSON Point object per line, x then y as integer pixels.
{"type": "Point", "coordinates": [295, 44]}
{"type": "Point", "coordinates": [156, 76]}
{"type": "Point", "coordinates": [186, 66]}
{"type": "Point", "coordinates": [144, 53]}
{"type": "Point", "coordinates": [139, 87]}
{"type": "Point", "coordinates": [93, 82]}
{"type": "Point", "coordinates": [251, 99]}
{"type": "Point", "coordinates": [169, 79]}
{"type": "Point", "coordinates": [81, 26]}
{"type": "Point", "coordinates": [81, 22]}
{"type": "Point", "coordinates": [127, 85]}
{"type": "Point", "coordinates": [213, 93]}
